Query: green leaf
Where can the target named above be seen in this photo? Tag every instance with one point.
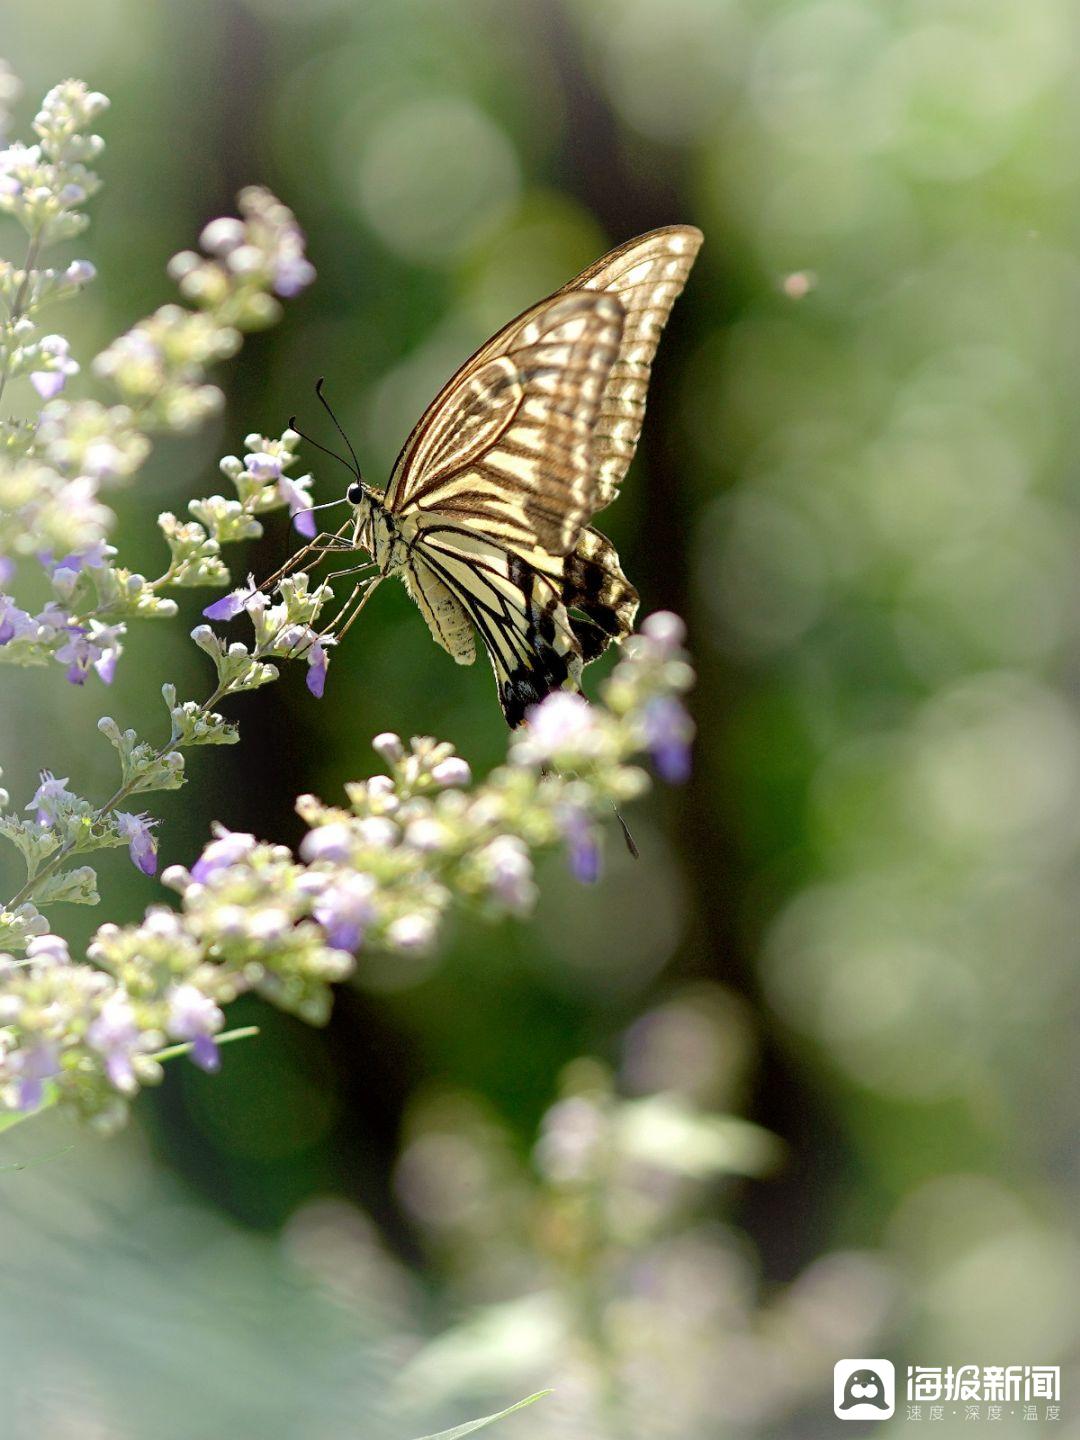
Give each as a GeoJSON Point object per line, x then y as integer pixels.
{"type": "Point", "coordinates": [473, 1425]}
{"type": "Point", "coordinates": [141, 766]}
{"type": "Point", "coordinates": [34, 842]}
{"type": "Point", "coordinates": [70, 887]}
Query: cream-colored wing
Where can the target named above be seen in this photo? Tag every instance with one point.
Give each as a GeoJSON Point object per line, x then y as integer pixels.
{"type": "Point", "coordinates": [647, 275]}
{"type": "Point", "coordinates": [445, 616]}
{"type": "Point", "coordinates": [506, 449]}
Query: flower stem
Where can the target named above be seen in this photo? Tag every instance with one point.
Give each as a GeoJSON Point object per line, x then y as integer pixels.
{"type": "Point", "coordinates": [59, 856]}
{"type": "Point", "coordinates": [11, 1118]}
{"type": "Point", "coordinates": [243, 1033]}
{"type": "Point", "coordinates": [18, 305]}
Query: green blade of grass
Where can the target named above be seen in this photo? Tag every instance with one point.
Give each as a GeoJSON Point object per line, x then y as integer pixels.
{"type": "Point", "coordinates": [473, 1425]}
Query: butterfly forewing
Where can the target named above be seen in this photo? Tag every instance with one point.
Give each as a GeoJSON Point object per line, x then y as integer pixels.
{"type": "Point", "coordinates": [507, 448]}
{"type": "Point", "coordinates": [495, 486]}
{"type": "Point", "coordinates": [647, 275]}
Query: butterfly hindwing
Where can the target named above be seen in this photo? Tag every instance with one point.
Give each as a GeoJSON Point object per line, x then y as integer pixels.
{"type": "Point", "coordinates": [594, 586]}
{"type": "Point", "coordinates": [446, 618]}
{"type": "Point", "coordinates": [518, 610]}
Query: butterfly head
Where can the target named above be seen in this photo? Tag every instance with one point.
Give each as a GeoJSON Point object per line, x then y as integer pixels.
{"type": "Point", "coordinates": [365, 505]}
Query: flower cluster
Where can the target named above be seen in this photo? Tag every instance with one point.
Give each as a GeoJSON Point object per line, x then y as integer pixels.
{"type": "Point", "coordinates": [43, 185]}
{"type": "Point", "coordinates": [54, 468]}
{"type": "Point", "coordinates": [82, 626]}
{"type": "Point", "coordinates": [628, 1289]}
{"type": "Point", "coordinates": [158, 366]}
{"type": "Point", "coordinates": [52, 471]}
{"type": "Point", "coordinates": [376, 875]}
{"type": "Point", "coordinates": [93, 1034]}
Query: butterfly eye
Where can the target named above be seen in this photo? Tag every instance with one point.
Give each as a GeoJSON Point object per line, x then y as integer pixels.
{"type": "Point", "coordinates": [355, 493]}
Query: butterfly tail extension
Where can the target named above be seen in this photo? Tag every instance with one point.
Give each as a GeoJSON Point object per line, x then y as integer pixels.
{"type": "Point", "coordinates": [594, 586]}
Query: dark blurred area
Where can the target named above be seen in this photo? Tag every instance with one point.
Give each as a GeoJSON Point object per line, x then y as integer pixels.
{"type": "Point", "coordinates": [856, 926]}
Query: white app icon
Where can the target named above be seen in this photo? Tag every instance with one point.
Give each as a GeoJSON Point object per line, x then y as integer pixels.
{"type": "Point", "coordinates": [864, 1389]}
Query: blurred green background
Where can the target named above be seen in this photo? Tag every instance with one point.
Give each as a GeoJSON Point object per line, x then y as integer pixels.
{"type": "Point", "coordinates": [856, 926]}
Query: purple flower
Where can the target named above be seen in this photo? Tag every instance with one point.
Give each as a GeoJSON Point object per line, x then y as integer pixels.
{"type": "Point", "coordinates": [51, 800]}
{"type": "Point", "coordinates": [263, 467]}
{"type": "Point", "coordinates": [318, 661]}
{"type": "Point", "coordinates": [452, 771]}
{"type": "Point", "coordinates": [298, 500]}
{"type": "Point", "coordinates": [292, 274]}
{"type": "Point", "coordinates": [668, 731]}
{"type": "Point", "coordinates": [77, 654]}
{"type": "Point", "coordinates": [49, 383]}
{"type": "Point", "coordinates": [99, 647]}
{"type": "Point", "coordinates": [115, 1035]}
{"type": "Point", "coordinates": [142, 847]}
{"type": "Point", "coordinates": [33, 1066]}
{"type": "Point", "coordinates": [328, 842]}
{"type": "Point", "coordinates": [229, 606]}
{"type": "Point", "coordinates": [194, 1017]}
{"type": "Point", "coordinates": [509, 872]}
{"type": "Point", "coordinates": [344, 910]}
{"type": "Point", "coordinates": [582, 847]}
{"type": "Point", "coordinates": [7, 571]}
{"type": "Point", "coordinates": [226, 850]}
{"type": "Point", "coordinates": [53, 617]}
{"type": "Point", "coordinates": [64, 581]}
{"type": "Point", "coordinates": [106, 639]}
{"type": "Point", "coordinates": [13, 621]}
{"type": "Point", "coordinates": [562, 722]}
{"type": "Point", "coordinates": [92, 558]}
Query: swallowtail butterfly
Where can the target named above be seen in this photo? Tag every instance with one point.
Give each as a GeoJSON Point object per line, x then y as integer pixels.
{"type": "Point", "coordinates": [487, 514]}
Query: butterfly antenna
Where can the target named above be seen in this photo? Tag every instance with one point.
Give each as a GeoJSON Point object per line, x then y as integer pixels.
{"type": "Point", "coordinates": [325, 449]}
{"type": "Point", "coordinates": [337, 425]}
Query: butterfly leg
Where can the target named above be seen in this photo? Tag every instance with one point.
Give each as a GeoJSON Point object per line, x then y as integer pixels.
{"type": "Point", "coordinates": [324, 543]}
{"type": "Point", "coordinates": [364, 588]}
{"type": "Point", "coordinates": [361, 588]}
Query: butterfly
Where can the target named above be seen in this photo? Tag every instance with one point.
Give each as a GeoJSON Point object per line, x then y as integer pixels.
{"type": "Point", "coordinates": [486, 517]}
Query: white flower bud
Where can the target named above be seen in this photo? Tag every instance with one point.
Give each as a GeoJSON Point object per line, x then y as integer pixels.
{"type": "Point", "coordinates": [388, 746]}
